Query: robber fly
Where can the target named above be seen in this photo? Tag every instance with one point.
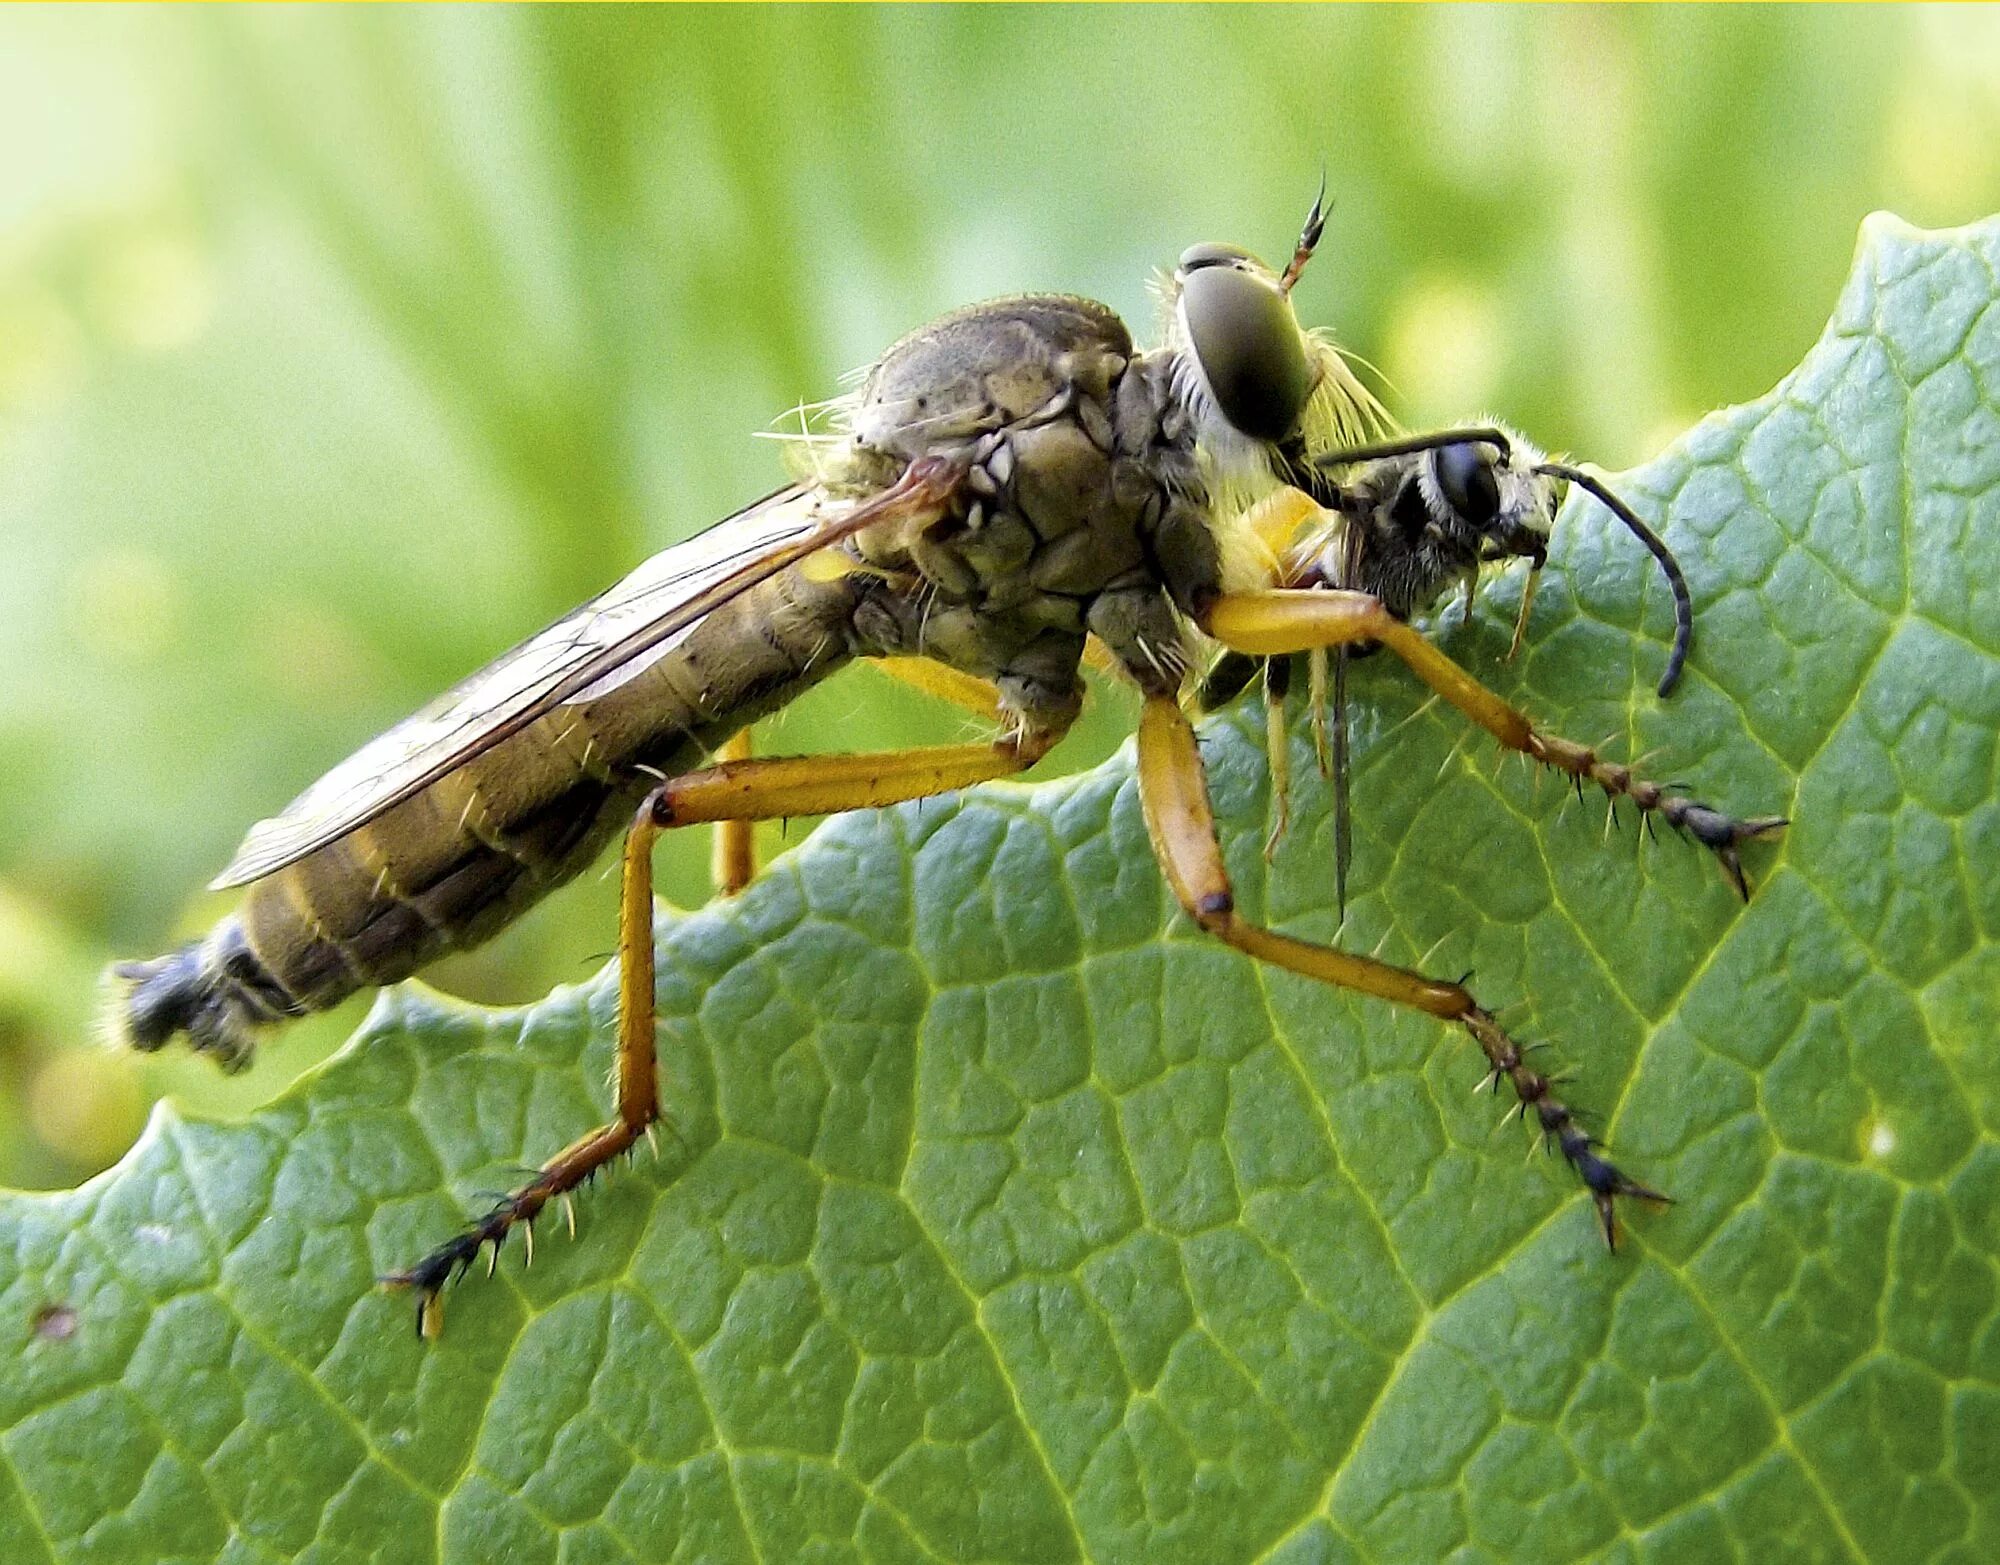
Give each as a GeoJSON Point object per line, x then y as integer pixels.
{"type": "Point", "coordinates": [1011, 482]}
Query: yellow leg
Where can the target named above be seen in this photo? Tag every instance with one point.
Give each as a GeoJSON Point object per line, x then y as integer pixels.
{"type": "Point", "coordinates": [734, 862]}
{"type": "Point", "coordinates": [733, 790]}
{"type": "Point", "coordinates": [975, 695]}
{"type": "Point", "coordinates": [1174, 794]}
{"type": "Point", "coordinates": [1269, 624]}
{"type": "Point", "coordinates": [1277, 752]}
{"type": "Point", "coordinates": [638, 1099]}
{"type": "Point", "coordinates": [733, 853]}
{"type": "Point", "coordinates": [1521, 618]}
{"type": "Point", "coordinates": [777, 789]}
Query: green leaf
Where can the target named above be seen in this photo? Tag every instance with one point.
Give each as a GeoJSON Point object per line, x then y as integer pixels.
{"type": "Point", "coordinates": [1008, 1218]}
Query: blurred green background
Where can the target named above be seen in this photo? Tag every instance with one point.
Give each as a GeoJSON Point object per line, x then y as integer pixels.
{"type": "Point", "coordinates": [340, 348]}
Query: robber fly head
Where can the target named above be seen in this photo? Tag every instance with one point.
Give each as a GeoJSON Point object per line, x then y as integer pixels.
{"type": "Point", "coordinates": [1255, 380]}
{"type": "Point", "coordinates": [1233, 317]}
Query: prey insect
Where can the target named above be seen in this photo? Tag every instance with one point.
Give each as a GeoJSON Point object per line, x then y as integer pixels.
{"type": "Point", "coordinates": [1012, 482]}
{"type": "Point", "coordinates": [1414, 517]}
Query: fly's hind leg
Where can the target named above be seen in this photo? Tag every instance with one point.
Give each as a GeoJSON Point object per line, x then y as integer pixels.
{"type": "Point", "coordinates": [732, 790]}
{"type": "Point", "coordinates": [638, 1097]}
{"type": "Point", "coordinates": [1302, 620]}
{"type": "Point", "coordinates": [1174, 794]}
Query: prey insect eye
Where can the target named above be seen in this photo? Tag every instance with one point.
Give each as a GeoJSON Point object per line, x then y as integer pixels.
{"type": "Point", "coordinates": [1246, 339]}
{"type": "Point", "coordinates": [1465, 479]}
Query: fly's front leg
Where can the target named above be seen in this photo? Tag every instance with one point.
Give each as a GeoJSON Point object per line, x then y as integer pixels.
{"type": "Point", "coordinates": [1277, 750]}
{"type": "Point", "coordinates": [1174, 794]}
{"type": "Point", "coordinates": [732, 790]}
{"type": "Point", "coordinates": [1281, 621]}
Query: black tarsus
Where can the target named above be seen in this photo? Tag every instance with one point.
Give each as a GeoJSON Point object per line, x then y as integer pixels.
{"type": "Point", "coordinates": [454, 1258]}
{"type": "Point", "coordinates": [1723, 834]}
{"type": "Point", "coordinates": [1554, 1121]}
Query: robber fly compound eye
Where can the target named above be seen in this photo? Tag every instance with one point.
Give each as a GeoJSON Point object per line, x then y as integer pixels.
{"type": "Point", "coordinates": [1245, 340]}
{"type": "Point", "coordinates": [1242, 337]}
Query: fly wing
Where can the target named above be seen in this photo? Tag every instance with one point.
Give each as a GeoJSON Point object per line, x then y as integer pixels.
{"type": "Point", "coordinates": [580, 656]}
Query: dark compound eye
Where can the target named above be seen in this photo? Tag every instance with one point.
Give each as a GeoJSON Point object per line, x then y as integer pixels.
{"type": "Point", "coordinates": [1246, 339]}
{"type": "Point", "coordinates": [1465, 479]}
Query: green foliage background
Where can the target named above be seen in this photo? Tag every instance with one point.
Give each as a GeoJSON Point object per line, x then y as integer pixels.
{"type": "Point", "coordinates": [339, 348]}
{"type": "Point", "coordinates": [1007, 1219]}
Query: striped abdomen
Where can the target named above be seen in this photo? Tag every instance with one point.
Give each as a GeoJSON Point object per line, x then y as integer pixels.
{"type": "Point", "coordinates": [452, 865]}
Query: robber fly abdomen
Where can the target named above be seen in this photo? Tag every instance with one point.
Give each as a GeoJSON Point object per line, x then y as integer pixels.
{"type": "Point", "coordinates": [460, 858]}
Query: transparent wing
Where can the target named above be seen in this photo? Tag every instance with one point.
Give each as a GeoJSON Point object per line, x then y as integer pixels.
{"type": "Point", "coordinates": [582, 655]}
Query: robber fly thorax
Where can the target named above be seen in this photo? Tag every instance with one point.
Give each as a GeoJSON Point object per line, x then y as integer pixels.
{"type": "Point", "coordinates": [1010, 483]}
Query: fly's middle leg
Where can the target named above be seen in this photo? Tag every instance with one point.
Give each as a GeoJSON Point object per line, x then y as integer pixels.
{"type": "Point", "coordinates": [733, 853]}
{"type": "Point", "coordinates": [1175, 794]}
{"type": "Point", "coordinates": [732, 790]}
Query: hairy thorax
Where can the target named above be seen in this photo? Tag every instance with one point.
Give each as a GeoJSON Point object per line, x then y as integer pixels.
{"type": "Point", "coordinates": [1080, 511]}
